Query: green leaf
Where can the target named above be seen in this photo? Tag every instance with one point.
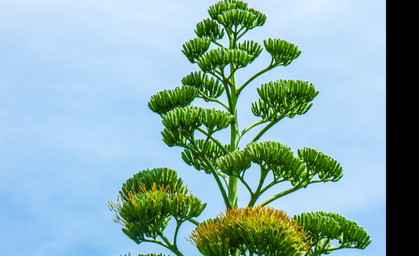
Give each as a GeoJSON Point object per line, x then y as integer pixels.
{"type": "Point", "coordinates": [208, 87]}
{"type": "Point", "coordinates": [327, 168]}
{"type": "Point", "coordinates": [284, 98]}
{"type": "Point", "coordinates": [195, 48]}
{"type": "Point", "coordinates": [283, 52]}
{"type": "Point", "coordinates": [167, 100]}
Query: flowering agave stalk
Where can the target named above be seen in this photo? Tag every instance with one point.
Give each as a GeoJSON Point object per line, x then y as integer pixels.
{"type": "Point", "coordinates": [152, 198]}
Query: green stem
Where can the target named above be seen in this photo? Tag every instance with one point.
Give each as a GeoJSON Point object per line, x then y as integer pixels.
{"type": "Point", "coordinates": [274, 182]}
{"type": "Point", "coordinates": [223, 192]}
{"type": "Point", "coordinates": [203, 96]}
{"type": "Point", "coordinates": [217, 179]}
{"type": "Point", "coordinates": [283, 193]}
{"type": "Point", "coordinates": [323, 249]}
{"type": "Point", "coordinates": [178, 223]}
{"type": "Point", "coordinates": [156, 242]}
{"type": "Point", "coordinates": [255, 76]}
{"type": "Point", "coordinates": [286, 192]}
{"type": "Point", "coordinates": [233, 182]}
{"type": "Point", "coordinates": [213, 172]}
{"type": "Point", "coordinates": [330, 249]}
{"type": "Point", "coordinates": [217, 43]}
{"type": "Point", "coordinates": [233, 193]}
{"type": "Point", "coordinates": [167, 243]}
{"type": "Point", "coordinates": [256, 195]}
{"type": "Point", "coordinates": [241, 178]}
{"type": "Point", "coordinates": [267, 127]}
{"type": "Point", "coordinates": [251, 126]}
{"type": "Point", "coordinates": [213, 139]}
{"type": "Point", "coordinates": [244, 32]}
{"type": "Point", "coordinates": [197, 223]}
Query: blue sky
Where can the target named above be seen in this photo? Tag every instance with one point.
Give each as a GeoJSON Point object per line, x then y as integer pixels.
{"type": "Point", "coordinates": [75, 79]}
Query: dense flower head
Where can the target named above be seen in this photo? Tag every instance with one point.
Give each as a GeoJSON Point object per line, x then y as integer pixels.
{"type": "Point", "coordinates": [258, 230]}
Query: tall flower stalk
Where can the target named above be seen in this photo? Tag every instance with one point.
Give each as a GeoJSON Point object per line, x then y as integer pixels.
{"type": "Point", "coordinates": [150, 199]}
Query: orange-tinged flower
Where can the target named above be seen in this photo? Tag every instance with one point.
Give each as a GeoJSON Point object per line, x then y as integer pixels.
{"type": "Point", "coordinates": [260, 230]}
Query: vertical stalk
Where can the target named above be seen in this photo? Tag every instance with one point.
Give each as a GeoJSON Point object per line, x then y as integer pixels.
{"type": "Point", "coordinates": [233, 182]}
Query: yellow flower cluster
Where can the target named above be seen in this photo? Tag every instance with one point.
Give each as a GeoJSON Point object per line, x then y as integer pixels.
{"type": "Point", "coordinates": [256, 230]}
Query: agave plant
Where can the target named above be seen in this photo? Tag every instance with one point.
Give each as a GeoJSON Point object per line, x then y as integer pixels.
{"type": "Point", "coordinates": [151, 198]}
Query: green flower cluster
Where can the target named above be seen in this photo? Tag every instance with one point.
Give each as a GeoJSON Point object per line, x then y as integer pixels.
{"type": "Point", "coordinates": [149, 200]}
